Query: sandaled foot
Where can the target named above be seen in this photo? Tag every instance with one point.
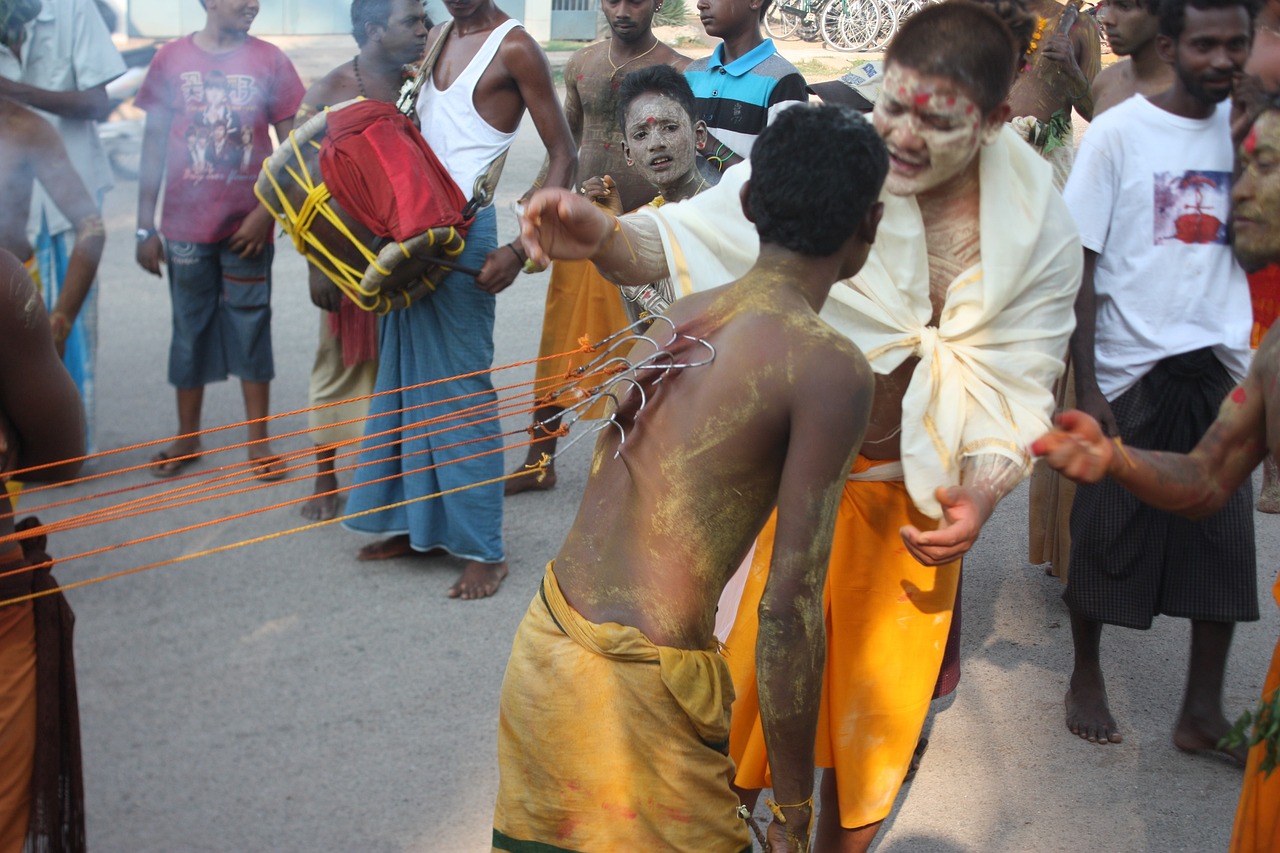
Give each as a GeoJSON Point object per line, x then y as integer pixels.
{"type": "Point", "coordinates": [171, 462]}
{"type": "Point", "coordinates": [530, 482]}
{"type": "Point", "coordinates": [1088, 714]}
{"type": "Point", "coordinates": [479, 580]}
{"type": "Point", "coordinates": [268, 469]}
{"type": "Point", "coordinates": [1202, 738]}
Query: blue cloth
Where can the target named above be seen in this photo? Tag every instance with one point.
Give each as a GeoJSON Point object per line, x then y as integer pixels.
{"type": "Point", "coordinates": [446, 334]}
{"type": "Point", "coordinates": [52, 252]}
{"type": "Point", "coordinates": [221, 314]}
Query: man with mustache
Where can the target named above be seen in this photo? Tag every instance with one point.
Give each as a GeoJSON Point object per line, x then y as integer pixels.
{"type": "Point", "coordinates": [1164, 320]}
{"type": "Point", "coordinates": [1201, 482]}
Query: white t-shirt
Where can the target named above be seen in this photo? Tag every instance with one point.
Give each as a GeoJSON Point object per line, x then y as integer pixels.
{"type": "Point", "coordinates": [1151, 194]}
{"type": "Point", "coordinates": [67, 48]}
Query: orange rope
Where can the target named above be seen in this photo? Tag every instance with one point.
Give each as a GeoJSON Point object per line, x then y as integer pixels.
{"type": "Point", "coordinates": [18, 475]}
{"type": "Point", "coordinates": [182, 558]}
{"type": "Point", "coordinates": [569, 378]}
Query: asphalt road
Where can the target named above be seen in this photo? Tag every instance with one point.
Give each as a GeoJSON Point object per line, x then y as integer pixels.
{"type": "Point", "coordinates": [284, 697]}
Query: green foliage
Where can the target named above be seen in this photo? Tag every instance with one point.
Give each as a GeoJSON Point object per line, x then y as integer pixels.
{"type": "Point", "coordinates": [674, 13]}
{"type": "Point", "coordinates": [1260, 726]}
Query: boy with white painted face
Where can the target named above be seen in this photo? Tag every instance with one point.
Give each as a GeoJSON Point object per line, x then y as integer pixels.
{"type": "Point", "coordinates": [964, 309]}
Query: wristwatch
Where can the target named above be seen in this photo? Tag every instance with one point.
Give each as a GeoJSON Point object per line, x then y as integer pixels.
{"type": "Point", "coordinates": [145, 234]}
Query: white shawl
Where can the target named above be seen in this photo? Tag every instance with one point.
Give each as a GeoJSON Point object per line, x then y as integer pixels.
{"type": "Point", "coordinates": [986, 372]}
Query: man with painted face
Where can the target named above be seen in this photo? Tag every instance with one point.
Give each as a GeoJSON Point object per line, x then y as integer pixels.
{"type": "Point", "coordinates": [580, 302]}
{"type": "Point", "coordinates": [1164, 320]}
{"type": "Point", "coordinates": [964, 309]}
{"type": "Point", "coordinates": [1200, 483]}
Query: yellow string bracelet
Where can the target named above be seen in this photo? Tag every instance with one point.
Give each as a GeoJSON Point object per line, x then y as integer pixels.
{"type": "Point", "coordinates": [777, 808]}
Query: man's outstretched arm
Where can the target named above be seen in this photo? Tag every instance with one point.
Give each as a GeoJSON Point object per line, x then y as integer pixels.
{"type": "Point", "coordinates": [559, 224]}
{"type": "Point", "coordinates": [1194, 485]}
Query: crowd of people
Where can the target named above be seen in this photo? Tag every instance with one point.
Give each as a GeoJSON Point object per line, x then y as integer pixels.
{"type": "Point", "coordinates": [860, 315]}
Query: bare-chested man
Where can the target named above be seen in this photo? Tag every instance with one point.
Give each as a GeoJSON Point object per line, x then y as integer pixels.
{"type": "Point", "coordinates": [1198, 484]}
{"type": "Point", "coordinates": [579, 301]}
{"type": "Point", "coordinates": [1131, 27]}
{"type": "Point", "coordinates": [469, 107]}
{"type": "Point", "coordinates": [1057, 77]}
{"type": "Point", "coordinates": [615, 705]}
{"type": "Point", "coordinates": [41, 424]}
{"type": "Point", "coordinates": [391, 34]}
{"type": "Point", "coordinates": [964, 310]}
{"type": "Point", "coordinates": [30, 148]}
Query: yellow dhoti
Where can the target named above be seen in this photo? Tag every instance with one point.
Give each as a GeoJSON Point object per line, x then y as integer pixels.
{"type": "Point", "coordinates": [887, 618]}
{"type": "Point", "coordinates": [580, 303]}
{"type": "Point", "coordinates": [608, 742]}
{"type": "Point", "coordinates": [1257, 828]}
{"type": "Point", "coordinates": [332, 381]}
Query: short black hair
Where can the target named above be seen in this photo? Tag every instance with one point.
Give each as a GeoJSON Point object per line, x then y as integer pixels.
{"type": "Point", "coordinates": [365, 12]}
{"type": "Point", "coordinates": [962, 41]}
{"type": "Point", "coordinates": [660, 79]}
{"type": "Point", "coordinates": [1173, 13]}
{"type": "Point", "coordinates": [815, 172]}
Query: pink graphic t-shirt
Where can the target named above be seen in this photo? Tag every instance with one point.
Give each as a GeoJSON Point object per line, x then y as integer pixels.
{"type": "Point", "coordinates": [222, 106]}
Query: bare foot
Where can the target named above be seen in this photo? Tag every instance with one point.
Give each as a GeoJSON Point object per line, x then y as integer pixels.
{"type": "Point", "coordinates": [530, 482]}
{"type": "Point", "coordinates": [1202, 737]}
{"type": "Point", "coordinates": [396, 546]}
{"type": "Point", "coordinates": [479, 580]}
{"type": "Point", "coordinates": [387, 549]}
{"type": "Point", "coordinates": [1269, 498]}
{"type": "Point", "coordinates": [1088, 714]}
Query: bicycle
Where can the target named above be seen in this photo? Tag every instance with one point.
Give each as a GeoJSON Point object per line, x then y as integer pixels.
{"type": "Point", "coordinates": [785, 20]}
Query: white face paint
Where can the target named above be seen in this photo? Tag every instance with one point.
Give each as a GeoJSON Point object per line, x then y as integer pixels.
{"type": "Point", "coordinates": [933, 130]}
{"type": "Point", "coordinates": [660, 138]}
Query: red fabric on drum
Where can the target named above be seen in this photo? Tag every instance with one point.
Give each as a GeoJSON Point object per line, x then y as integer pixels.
{"type": "Point", "coordinates": [379, 168]}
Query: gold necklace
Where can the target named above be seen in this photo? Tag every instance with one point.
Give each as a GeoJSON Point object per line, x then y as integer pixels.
{"type": "Point", "coordinates": [608, 54]}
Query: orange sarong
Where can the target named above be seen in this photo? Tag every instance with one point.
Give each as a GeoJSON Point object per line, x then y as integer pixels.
{"type": "Point", "coordinates": [580, 303]}
{"type": "Point", "coordinates": [887, 618]}
{"type": "Point", "coordinates": [17, 722]}
{"type": "Point", "coordinates": [1257, 827]}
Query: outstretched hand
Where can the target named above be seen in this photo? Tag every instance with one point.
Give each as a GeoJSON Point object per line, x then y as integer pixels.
{"type": "Point", "coordinates": [964, 511]}
{"type": "Point", "coordinates": [1077, 448]}
{"type": "Point", "coordinates": [560, 224]}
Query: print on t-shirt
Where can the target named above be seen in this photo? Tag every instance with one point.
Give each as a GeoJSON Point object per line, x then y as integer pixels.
{"type": "Point", "coordinates": [1192, 207]}
{"type": "Point", "coordinates": [219, 143]}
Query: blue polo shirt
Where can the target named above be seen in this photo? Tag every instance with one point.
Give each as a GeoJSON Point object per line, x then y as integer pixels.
{"type": "Point", "coordinates": [738, 100]}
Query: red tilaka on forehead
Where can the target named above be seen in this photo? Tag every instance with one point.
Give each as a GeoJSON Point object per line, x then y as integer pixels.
{"type": "Point", "coordinates": [922, 99]}
{"type": "Point", "coordinates": [651, 120]}
{"type": "Point", "coordinates": [1251, 141]}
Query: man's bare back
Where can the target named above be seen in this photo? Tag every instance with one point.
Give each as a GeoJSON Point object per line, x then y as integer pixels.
{"type": "Point", "coordinates": [663, 527]}
{"type": "Point", "coordinates": [1058, 68]}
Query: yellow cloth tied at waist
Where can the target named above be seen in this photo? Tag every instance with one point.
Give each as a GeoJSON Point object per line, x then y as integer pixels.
{"type": "Point", "coordinates": [698, 680]}
{"type": "Point", "coordinates": [607, 741]}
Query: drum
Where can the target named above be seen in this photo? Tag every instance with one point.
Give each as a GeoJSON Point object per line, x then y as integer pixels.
{"type": "Point", "coordinates": [362, 246]}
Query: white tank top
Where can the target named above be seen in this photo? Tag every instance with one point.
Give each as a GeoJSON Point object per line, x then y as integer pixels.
{"type": "Point", "coordinates": [465, 143]}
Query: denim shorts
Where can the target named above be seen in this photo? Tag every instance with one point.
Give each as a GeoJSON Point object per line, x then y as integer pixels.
{"type": "Point", "coordinates": [221, 314]}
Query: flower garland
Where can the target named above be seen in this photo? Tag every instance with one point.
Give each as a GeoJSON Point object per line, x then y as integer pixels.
{"type": "Point", "coordinates": [1041, 23]}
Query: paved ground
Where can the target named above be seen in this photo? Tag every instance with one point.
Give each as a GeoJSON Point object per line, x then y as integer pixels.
{"type": "Point", "coordinates": [284, 697]}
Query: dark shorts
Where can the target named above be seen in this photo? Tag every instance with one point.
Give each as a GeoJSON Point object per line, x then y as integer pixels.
{"type": "Point", "coordinates": [1130, 562]}
{"type": "Point", "coordinates": [221, 314]}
